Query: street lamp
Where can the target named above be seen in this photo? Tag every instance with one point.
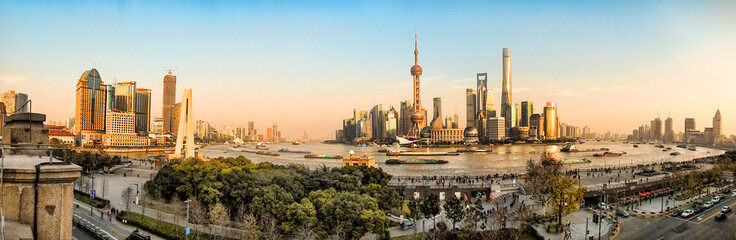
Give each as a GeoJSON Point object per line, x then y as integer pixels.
{"type": "Point", "coordinates": [186, 233]}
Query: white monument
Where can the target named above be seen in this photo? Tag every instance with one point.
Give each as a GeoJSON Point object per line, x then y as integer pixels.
{"type": "Point", "coordinates": [186, 127]}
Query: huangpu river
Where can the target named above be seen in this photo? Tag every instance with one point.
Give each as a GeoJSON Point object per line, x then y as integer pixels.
{"type": "Point", "coordinates": [503, 159]}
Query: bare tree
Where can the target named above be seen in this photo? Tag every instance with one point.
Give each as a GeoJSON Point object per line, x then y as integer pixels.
{"type": "Point", "coordinates": [271, 229]}
{"type": "Point", "coordinates": [538, 176]}
{"type": "Point", "coordinates": [306, 233]}
{"type": "Point", "coordinates": [251, 230]}
{"type": "Point", "coordinates": [197, 214]}
{"type": "Point", "coordinates": [336, 232]}
{"type": "Point", "coordinates": [142, 201]}
{"type": "Point", "coordinates": [127, 197]}
{"type": "Point", "coordinates": [219, 216]}
{"type": "Point", "coordinates": [105, 187]}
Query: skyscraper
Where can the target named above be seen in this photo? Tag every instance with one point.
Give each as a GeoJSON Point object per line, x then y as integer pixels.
{"type": "Point", "coordinates": [437, 116]}
{"type": "Point", "coordinates": [169, 101]}
{"type": "Point", "coordinates": [496, 128]}
{"type": "Point", "coordinates": [142, 111]}
{"type": "Point", "coordinates": [506, 104]}
{"type": "Point", "coordinates": [550, 121]}
{"type": "Point", "coordinates": [717, 126]}
{"type": "Point", "coordinates": [15, 102]}
{"type": "Point", "coordinates": [470, 107]}
{"type": "Point", "coordinates": [110, 97]}
{"type": "Point", "coordinates": [482, 92]}
{"type": "Point", "coordinates": [90, 108]}
{"type": "Point", "coordinates": [404, 118]}
{"type": "Point", "coordinates": [516, 114]}
{"type": "Point", "coordinates": [689, 126]}
{"type": "Point", "coordinates": [527, 109]}
{"type": "Point", "coordinates": [125, 96]}
{"type": "Point", "coordinates": [656, 130]}
{"type": "Point", "coordinates": [669, 131]}
{"type": "Point", "coordinates": [419, 114]}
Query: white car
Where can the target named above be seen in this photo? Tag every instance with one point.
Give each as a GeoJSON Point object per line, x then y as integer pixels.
{"type": "Point", "coordinates": [715, 199]}
{"type": "Point", "coordinates": [602, 206]}
{"type": "Point", "coordinates": [733, 193]}
{"type": "Point", "coordinates": [688, 212]}
{"type": "Point", "coordinates": [707, 204]}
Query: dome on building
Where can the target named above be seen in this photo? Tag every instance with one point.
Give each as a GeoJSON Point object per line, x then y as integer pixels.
{"type": "Point", "coordinates": [417, 117]}
{"type": "Point", "coordinates": [426, 132]}
{"type": "Point", "coordinates": [470, 132]}
{"type": "Point", "coordinates": [416, 70]}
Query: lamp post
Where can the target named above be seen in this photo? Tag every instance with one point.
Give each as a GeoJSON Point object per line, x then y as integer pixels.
{"type": "Point", "coordinates": [186, 233]}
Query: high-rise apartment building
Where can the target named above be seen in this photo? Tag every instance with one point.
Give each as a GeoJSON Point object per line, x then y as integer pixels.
{"type": "Point", "coordinates": [470, 100]}
{"type": "Point", "coordinates": [90, 108]}
{"type": "Point", "coordinates": [142, 109]}
{"type": "Point", "coordinates": [527, 109]}
{"type": "Point", "coordinates": [506, 104]}
{"type": "Point", "coordinates": [550, 121]}
{"type": "Point", "coordinates": [169, 102]}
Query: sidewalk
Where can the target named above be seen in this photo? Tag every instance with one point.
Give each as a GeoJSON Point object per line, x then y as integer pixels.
{"type": "Point", "coordinates": [577, 226]}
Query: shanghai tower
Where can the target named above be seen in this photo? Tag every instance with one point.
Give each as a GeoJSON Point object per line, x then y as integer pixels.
{"type": "Point", "coordinates": [506, 104]}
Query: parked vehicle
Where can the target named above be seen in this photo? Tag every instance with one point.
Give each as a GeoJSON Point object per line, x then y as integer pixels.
{"type": "Point", "coordinates": [676, 212]}
{"type": "Point", "coordinates": [687, 213]}
{"type": "Point", "coordinates": [407, 225]}
{"type": "Point", "coordinates": [622, 213]}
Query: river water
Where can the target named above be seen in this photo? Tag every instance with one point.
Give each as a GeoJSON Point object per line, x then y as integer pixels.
{"type": "Point", "coordinates": [503, 159]}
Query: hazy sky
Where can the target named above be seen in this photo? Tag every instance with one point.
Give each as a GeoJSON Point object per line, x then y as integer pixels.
{"type": "Point", "coordinates": [610, 65]}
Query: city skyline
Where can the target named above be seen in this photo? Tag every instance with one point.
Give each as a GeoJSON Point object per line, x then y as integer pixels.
{"type": "Point", "coordinates": [605, 81]}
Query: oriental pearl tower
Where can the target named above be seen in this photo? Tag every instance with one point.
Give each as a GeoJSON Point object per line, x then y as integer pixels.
{"type": "Point", "coordinates": [418, 115]}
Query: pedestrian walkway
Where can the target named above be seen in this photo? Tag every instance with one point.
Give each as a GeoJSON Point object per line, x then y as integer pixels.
{"type": "Point", "coordinates": [578, 226]}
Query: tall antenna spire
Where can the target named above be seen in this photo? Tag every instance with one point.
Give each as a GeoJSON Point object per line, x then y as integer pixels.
{"type": "Point", "coordinates": [416, 51]}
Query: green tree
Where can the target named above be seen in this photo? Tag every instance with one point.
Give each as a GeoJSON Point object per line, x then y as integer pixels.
{"type": "Point", "coordinates": [298, 216]}
{"type": "Point", "coordinates": [431, 207]}
{"type": "Point", "coordinates": [565, 198]}
{"type": "Point", "coordinates": [415, 211]}
{"type": "Point", "coordinates": [454, 210]}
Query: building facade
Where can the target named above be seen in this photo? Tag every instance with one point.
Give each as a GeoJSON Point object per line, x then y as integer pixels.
{"type": "Point", "coordinates": [169, 101]}
{"type": "Point", "coordinates": [90, 108]}
{"type": "Point", "coordinates": [550, 121]}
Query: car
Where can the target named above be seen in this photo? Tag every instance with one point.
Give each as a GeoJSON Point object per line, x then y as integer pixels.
{"type": "Point", "coordinates": [733, 193]}
{"type": "Point", "coordinates": [720, 195]}
{"type": "Point", "coordinates": [407, 225]}
{"type": "Point", "coordinates": [602, 206]}
{"type": "Point", "coordinates": [725, 209]}
{"type": "Point", "coordinates": [687, 212]}
{"type": "Point", "coordinates": [707, 204]}
{"type": "Point", "coordinates": [622, 213]}
{"type": "Point", "coordinates": [676, 212]}
{"type": "Point", "coordinates": [721, 217]}
{"type": "Point", "coordinates": [715, 199]}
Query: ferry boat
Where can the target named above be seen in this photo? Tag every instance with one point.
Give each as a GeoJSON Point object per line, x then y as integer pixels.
{"type": "Point", "coordinates": [325, 156]}
{"type": "Point", "coordinates": [692, 148]}
{"type": "Point", "coordinates": [571, 148]}
{"type": "Point", "coordinates": [682, 146]}
{"type": "Point", "coordinates": [474, 150]}
{"type": "Point", "coordinates": [636, 146]}
{"type": "Point", "coordinates": [674, 153]}
{"type": "Point", "coordinates": [295, 143]}
{"type": "Point", "coordinates": [659, 146]}
{"type": "Point", "coordinates": [609, 154]}
{"type": "Point", "coordinates": [286, 150]}
{"type": "Point", "coordinates": [416, 161]}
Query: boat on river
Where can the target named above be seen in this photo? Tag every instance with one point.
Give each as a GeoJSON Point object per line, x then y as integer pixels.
{"type": "Point", "coordinates": [609, 154]}
{"type": "Point", "coordinates": [466, 150]}
{"type": "Point", "coordinates": [286, 150]}
{"type": "Point", "coordinates": [324, 156]}
{"type": "Point", "coordinates": [574, 161]}
{"type": "Point", "coordinates": [416, 161]}
{"type": "Point", "coordinates": [394, 153]}
{"type": "Point", "coordinates": [572, 148]}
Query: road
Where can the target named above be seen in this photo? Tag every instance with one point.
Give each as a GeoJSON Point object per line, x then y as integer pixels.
{"type": "Point", "coordinates": [698, 226]}
{"type": "Point", "coordinates": [114, 229]}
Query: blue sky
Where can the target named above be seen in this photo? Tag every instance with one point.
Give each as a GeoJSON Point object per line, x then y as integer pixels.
{"type": "Point", "coordinates": [306, 65]}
